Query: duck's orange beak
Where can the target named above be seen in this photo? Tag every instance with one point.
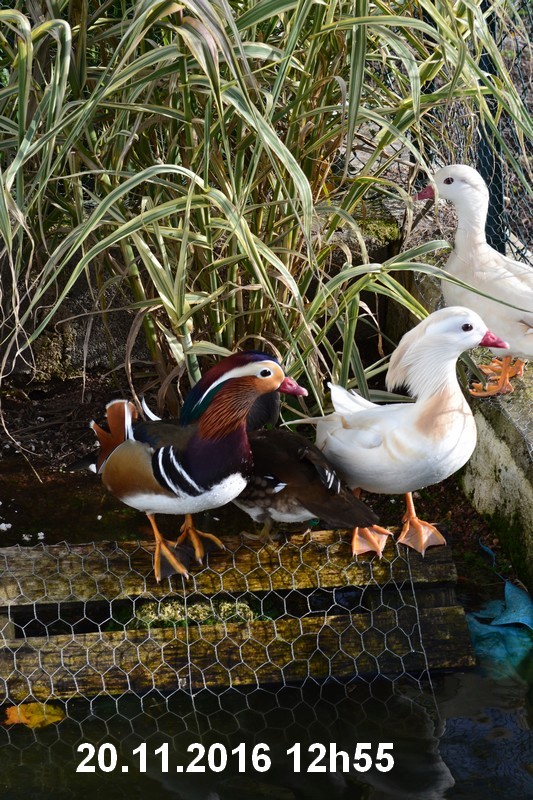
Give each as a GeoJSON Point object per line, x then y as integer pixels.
{"type": "Point", "coordinates": [491, 340]}
{"type": "Point", "coordinates": [289, 386]}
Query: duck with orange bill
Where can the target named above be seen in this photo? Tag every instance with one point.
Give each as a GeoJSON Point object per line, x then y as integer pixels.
{"type": "Point", "coordinates": [291, 480]}
{"type": "Point", "coordinates": [402, 447]}
{"type": "Point", "coordinates": [199, 462]}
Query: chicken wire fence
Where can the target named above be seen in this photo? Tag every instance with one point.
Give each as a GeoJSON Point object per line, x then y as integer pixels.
{"type": "Point", "coordinates": [258, 731]}
{"type": "Point", "coordinates": [461, 138]}
{"type": "Point", "coordinates": [90, 620]}
{"type": "Point", "coordinates": [289, 640]}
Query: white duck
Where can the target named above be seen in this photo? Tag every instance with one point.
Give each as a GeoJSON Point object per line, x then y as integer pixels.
{"type": "Point", "coordinates": [475, 262]}
{"type": "Point", "coordinates": [401, 447]}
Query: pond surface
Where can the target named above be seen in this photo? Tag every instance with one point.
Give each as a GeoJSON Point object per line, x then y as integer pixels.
{"type": "Point", "coordinates": [468, 738]}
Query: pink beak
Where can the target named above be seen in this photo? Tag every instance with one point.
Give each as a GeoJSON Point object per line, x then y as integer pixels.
{"type": "Point", "coordinates": [289, 386]}
{"type": "Point", "coordinates": [426, 194]}
{"type": "Point", "coordinates": [491, 340]}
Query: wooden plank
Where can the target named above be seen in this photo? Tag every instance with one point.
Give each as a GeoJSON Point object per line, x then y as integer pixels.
{"type": "Point", "coordinates": [110, 570]}
{"type": "Point", "coordinates": [220, 656]}
{"type": "Point", "coordinates": [7, 628]}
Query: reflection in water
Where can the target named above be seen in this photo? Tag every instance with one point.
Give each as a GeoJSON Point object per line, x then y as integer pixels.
{"type": "Point", "coordinates": [487, 739]}
{"type": "Point", "coordinates": [468, 740]}
{"type": "Point", "coordinates": [313, 714]}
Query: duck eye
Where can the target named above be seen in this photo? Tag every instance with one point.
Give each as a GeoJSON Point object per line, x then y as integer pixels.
{"type": "Point", "coordinates": [467, 326]}
{"type": "Point", "coordinates": [265, 373]}
{"type": "Point", "coordinates": [448, 181]}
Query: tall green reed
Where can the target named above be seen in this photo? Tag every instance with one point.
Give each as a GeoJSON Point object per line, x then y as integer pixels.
{"type": "Point", "coordinates": [188, 151]}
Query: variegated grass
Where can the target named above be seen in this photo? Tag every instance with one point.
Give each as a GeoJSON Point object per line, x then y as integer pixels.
{"type": "Point", "coordinates": [188, 151]}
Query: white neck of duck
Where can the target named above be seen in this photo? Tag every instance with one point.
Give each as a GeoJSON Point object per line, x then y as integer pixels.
{"type": "Point", "coordinates": [471, 221]}
{"type": "Point", "coordinates": [428, 373]}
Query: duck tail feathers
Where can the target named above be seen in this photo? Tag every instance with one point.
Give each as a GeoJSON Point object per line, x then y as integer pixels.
{"type": "Point", "coordinates": [347, 511]}
{"type": "Point", "coordinates": [346, 402]}
{"type": "Point", "coordinates": [121, 414]}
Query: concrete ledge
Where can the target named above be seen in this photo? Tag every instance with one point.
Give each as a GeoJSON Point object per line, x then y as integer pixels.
{"type": "Point", "coordinates": [498, 479]}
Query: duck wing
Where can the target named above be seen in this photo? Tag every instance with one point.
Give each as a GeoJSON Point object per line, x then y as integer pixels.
{"type": "Point", "coordinates": [292, 465]}
{"type": "Point", "coordinates": [353, 415]}
{"type": "Point", "coordinates": [497, 275]}
{"type": "Point", "coordinates": [353, 433]}
{"type": "Point", "coordinates": [364, 430]}
{"type": "Point", "coordinates": [346, 402]}
{"type": "Point", "coordinates": [512, 282]}
{"type": "Point", "coordinates": [505, 280]}
{"type": "Point", "coordinates": [290, 459]}
{"type": "Point", "coordinates": [162, 433]}
{"type": "Point", "coordinates": [373, 447]}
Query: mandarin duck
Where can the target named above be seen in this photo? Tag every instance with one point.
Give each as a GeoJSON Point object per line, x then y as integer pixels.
{"type": "Point", "coordinates": [402, 447]}
{"type": "Point", "coordinates": [292, 481]}
{"type": "Point", "coordinates": [475, 262]}
{"type": "Point", "coordinates": [199, 462]}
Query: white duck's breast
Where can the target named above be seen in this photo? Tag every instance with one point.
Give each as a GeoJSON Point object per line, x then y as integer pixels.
{"type": "Point", "coordinates": [428, 442]}
{"type": "Point", "coordinates": [515, 287]}
{"type": "Point", "coordinates": [220, 494]}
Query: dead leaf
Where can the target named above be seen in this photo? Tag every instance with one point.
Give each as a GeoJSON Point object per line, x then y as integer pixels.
{"type": "Point", "coordinates": [34, 715]}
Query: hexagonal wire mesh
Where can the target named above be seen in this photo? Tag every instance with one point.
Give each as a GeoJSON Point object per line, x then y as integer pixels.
{"type": "Point", "coordinates": [90, 620]}
{"type": "Point", "coordinates": [282, 642]}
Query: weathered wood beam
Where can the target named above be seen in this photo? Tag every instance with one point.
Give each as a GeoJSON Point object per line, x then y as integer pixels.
{"type": "Point", "coordinates": [219, 656]}
{"type": "Point", "coordinates": [111, 571]}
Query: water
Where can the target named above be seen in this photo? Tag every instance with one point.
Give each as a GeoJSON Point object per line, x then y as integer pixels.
{"type": "Point", "coordinates": [468, 737]}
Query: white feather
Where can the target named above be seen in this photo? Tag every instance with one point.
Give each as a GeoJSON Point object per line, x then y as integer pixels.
{"type": "Point", "coordinates": [149, 413]}
{"type": "Point", "coordinates": [401, 447]}
{"type": "Point", "coordinates": [475, 262]}
{"type": "Point", "coordinates": [219, 495]}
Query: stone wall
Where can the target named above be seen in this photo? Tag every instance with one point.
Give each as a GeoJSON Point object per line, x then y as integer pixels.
{"type": "Point", "coordinates": [499, 477]}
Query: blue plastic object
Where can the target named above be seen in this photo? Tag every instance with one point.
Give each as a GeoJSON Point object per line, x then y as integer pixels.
{"type": "Point", "coordinates": [502, 631]}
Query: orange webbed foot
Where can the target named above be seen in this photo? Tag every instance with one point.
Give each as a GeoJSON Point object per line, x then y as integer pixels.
{"type": "Point", "coordinates": [494, 387]}
{"type": "Point", "coordinates": [367, 540]}
{"type": "Point", "coordinates": [163, 550]}
{"type": "Point", "coordinates": [420, 535]}
{"type": "Point", "coordinates": [188, 530]}
{"type": "Point", "coordinates": [415, 532]}
{"type": "Point", "coordinates": [499, 371]}
{"type": "Point", "coordinates": [497, 365]}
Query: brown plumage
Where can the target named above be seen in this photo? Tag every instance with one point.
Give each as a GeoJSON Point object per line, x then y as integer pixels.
{"type": "Point", "coordinates": [292, 482]}
{"type": "Point", "coordinates": [116, 420]}
{"type": "Point", "coordinates": [193, 464]}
